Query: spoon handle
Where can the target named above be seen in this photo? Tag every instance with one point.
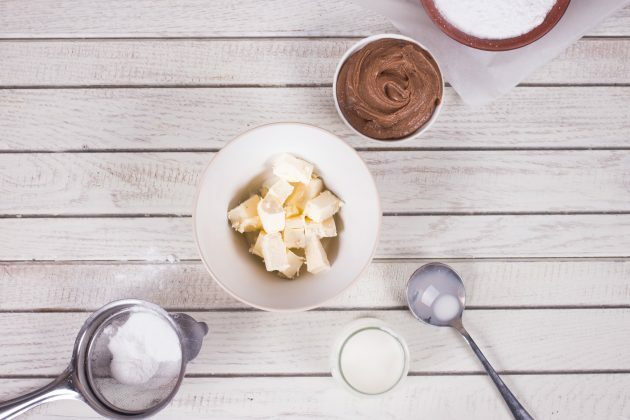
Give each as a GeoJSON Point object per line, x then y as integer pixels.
{"type": "Point", "coordinates": [61, 388]}
{"type": "Point", "coordinates": [518, 411]}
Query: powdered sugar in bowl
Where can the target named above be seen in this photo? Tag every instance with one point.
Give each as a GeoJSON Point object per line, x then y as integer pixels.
{"type": "Point", "coordinates": [495, 25]}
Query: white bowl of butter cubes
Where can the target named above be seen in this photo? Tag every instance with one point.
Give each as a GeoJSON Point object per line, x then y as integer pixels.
{"type": "Point", "coordinates": [287, 217]}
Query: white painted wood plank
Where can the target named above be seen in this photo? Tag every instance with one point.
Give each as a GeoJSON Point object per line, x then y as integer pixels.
{"type": "Point", "coordinates": [171, 18]}
{"type": "Point", "coordinates": [74, 286]}
{"type": "Point", "coordinates": [247, 62]}
{"type": "Point", "coordinates": [190, 18]}
{"type": "Point", "coordinates": [154, 239]}
{"type": "Point", "coordinates": [205, 118]}
{"type": "Point", "coordinates": [616, 25]}
{"type": "Point", "coordinates": [254, 342]}
{"type": "Point", "coordinates": [167, 238]}
{"type": "Point", "coordinates": [496, 236]}
{"type": "Point", "coordinates": [429, 182]}
{"type": "Point", "coordinates": [573, 397]}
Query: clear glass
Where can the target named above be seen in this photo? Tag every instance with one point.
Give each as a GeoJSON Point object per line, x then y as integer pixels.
{"type": "Point", "coordinates": [353, 330]}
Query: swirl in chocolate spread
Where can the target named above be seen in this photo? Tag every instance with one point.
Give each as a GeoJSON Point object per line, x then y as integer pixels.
{"type": "Point", "coordinates": [389, 89]}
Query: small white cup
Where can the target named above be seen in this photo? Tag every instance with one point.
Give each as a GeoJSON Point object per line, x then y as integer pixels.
{"type": "Point", "coordinates": [362, 43]}
{"type": "Point", "coordinates": [350, 330]}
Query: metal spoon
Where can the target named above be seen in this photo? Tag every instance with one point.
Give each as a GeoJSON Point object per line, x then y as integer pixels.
{"type": "Point", "coordinates": [436, 295]}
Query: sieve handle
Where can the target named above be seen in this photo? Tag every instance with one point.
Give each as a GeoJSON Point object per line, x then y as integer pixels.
{"type": "Point", "coordinates": [193, 333]}
{"type": "Point", "coordinates": [61, 388]}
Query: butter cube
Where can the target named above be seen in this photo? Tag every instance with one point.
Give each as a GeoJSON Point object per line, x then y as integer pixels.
{"type": "Point", "coordinates": [294, 236]}
{"type": "Point", "coordinates": [295, 263]}
{"type": "Point", "coordinates": [322, 207]}
{"type": "Point", "coordinates": [302, 193]}
{"type": "Point", "coordinates": [256, 248]}
{"type": "Point", "coordinates": [274, 252]}
{"type": "Point", "coordinates": [313, 188]}
{"type": "Point", "coordinates": [325, 229]}
{"type": "Point", "coordinates": [280, 190]}
{"type": "Point", "coordinates": [267, 184]}
{"type": "Point", "coordinates": [244, 217]}
{"type": "Point", "coordinates": [296, 222]}
{"type": "Point", "coordinates": [251, 224]}
{"type": "Point", "coordinates": [292, 169]}
{"type": "Point", "coordinates": [296, 201]}
{"type": "Point", "coordinates": [271, 214]}
{"type": "Point", "coordinates": [316, 259]}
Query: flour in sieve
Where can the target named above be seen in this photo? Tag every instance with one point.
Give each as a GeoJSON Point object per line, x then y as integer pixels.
{"type": "Point", "coordinates": [495, 19]}
{"type": "Point", "coordinates": [140, 347]}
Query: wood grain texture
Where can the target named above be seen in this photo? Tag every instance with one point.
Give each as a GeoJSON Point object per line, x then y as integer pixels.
{"type": "Point", "coordinates": [168, 238]}
{"type": "Point", "coordinates": [499, 236]}
{"type": "Point", "coordinates": [408, 182]}
{"type": "Point", "coordinates": [196, 18]}
{"type": "Point", "coordinates": [224, 62]}
{"type": "Point", "coordinates": [187, 285]}
{"type": "Point", "coordinates": [528, 315]}
{"type": "Point", "coordinates": [260, 398]}
{"type": "Point", "coordinates": [262, 343]}
{"type": "Point", "coordinates": [575, 397]}
{"type": "Point", "coordinates": [206, 118]}
{"type": "Point", "coordinates": [192, 18]}
{"type": "Point", "coordinates": [616, 25]}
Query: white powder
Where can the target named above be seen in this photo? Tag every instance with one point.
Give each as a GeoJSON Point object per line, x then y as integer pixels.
{"type": "Point", "coordinates": [141, 348]}
{"type": "Point", "coordinates": [495, 19]}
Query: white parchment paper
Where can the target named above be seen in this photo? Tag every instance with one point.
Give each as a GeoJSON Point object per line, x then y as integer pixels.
{"type": "Point", "coordinates": [481, 76]}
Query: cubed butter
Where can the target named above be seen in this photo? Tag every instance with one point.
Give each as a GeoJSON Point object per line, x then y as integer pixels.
{"type": "Point", "coordinates": [316, 259]}
{"type": "Point", "coordinates": [294, 238]}
{"type": "Point", "coordinates": [280, 190]}
{"type": "Point", "coordinates": [294, 232]}
{"type": "Point", "coordinates": [313, 188]}
{"type": "Point", "coordinates": [325, 229]}
{"type": "Point", "coordinates": [295, 222]}
{"type": "Point", "coordinates": [292, 169]}
{"type": "Point", "coordinates": [271, 214]}
{"type": "Point", "coordinates": [302, 193]}
{"type": "Point", "coordinates": [274, 252]}
{"type": "Point", "coordinates": [295, 263]}
{"type": "Point", "coordinates": [251, 224]}
{"type": "Point", "coordinates": [256, 248]}
{"type": "Point", "coordinates": [322, 207]}
{"type": "Point", "coordinates": [296, 201]}
{"type": "Point", "coordinates": [267, 183]}
{"type": "Point", "coordinates": [293, 212]}
{"type": "Point", "coordinates": [244, 217]}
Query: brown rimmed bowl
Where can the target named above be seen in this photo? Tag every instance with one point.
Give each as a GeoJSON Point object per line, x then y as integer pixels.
{"type": "Point", "coordinates": [552, 19]}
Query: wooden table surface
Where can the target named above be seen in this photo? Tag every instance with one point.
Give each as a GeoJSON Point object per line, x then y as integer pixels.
{"type": "Point", "coordinates": [110, 109]}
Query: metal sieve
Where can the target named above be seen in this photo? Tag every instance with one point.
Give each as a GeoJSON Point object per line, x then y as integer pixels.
{"type": "Point", "coordinates": [89, 378]}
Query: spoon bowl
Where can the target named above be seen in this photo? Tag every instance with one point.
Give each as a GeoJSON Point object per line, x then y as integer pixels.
{"type": "Point", "coordinates": [436, 295]}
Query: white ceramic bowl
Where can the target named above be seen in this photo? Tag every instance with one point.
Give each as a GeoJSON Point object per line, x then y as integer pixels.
{"type": "Point", "coordinates": [239, 169]}
{"type": "Point", "coordinates": [356, 47]}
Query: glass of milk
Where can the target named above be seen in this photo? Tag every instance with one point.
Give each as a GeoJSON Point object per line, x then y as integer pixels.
{"type": "Point", "coordinates": [369, 358]}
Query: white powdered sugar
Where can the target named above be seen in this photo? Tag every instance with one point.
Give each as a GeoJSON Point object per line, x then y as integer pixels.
{"type": "Point", "coordinates": [495, 19]}
{"type": "Point", "coordinates": [144, 347]}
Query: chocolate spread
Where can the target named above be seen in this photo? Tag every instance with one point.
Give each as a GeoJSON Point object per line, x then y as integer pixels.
{"type": "Point", "coordinates": [389, 89]}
